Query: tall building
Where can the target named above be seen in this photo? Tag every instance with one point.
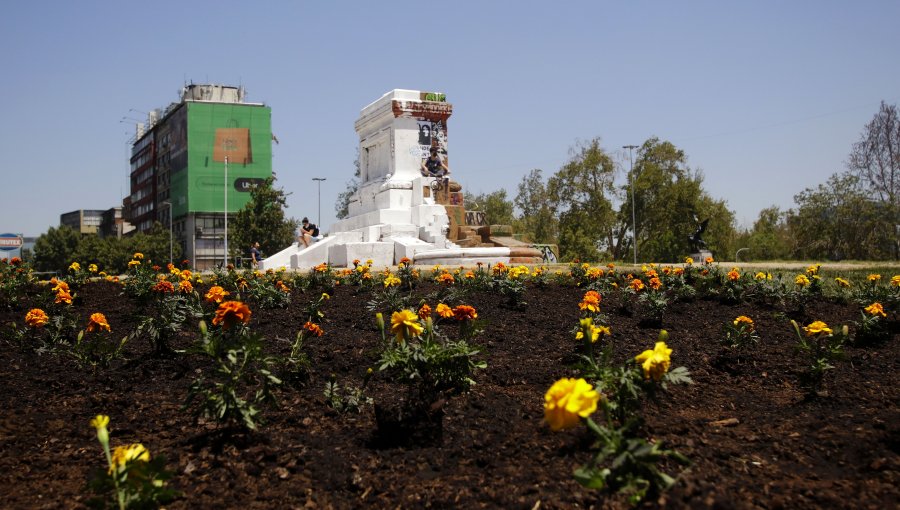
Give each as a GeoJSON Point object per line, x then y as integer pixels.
{"type": "Point", "coordinates": [193, 161]}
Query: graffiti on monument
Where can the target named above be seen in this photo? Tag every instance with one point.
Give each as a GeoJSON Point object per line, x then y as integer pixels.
{"type": "Point", "coordinates": [476, 218]}
{"type": "Point", "coordinates": [548, 252]}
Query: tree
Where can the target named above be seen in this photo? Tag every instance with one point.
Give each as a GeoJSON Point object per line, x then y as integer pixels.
{"type": "Point", "coordinates": [262, 220]}
{"type": "Point", "coordinates": [535, 220]}
{"type": "Point", "coordinates": [497, 208]}
{"type": "Point", "coordinates": [578, 195]}
{"type": "Point", "coordinates": [342, 204]}
{"type": "Point", "coordinates": [769, 239]}
{"type": "Point", "coordinates": [875, 159]}
{"type": "Point", "coordinates": [838, 220]}
{"type": "Point", "coordinates": [669, 204]}
{"type": "Point", "coordinates": [55, 249]}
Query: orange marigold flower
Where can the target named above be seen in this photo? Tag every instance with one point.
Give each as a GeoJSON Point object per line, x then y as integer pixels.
{"type": "Point", "coordinates": [709, 260]}
{"type": "Point", "coordinates": [63, 297]}
{"type": "Point", "coordinates": [216, 294]}
{"type": "Point", "coordinates": [404, 261]}
{"type": "Point", "coordinates": [465, 312]}
{"type": "Point", "coordinates": [636, 285]}
{"type": "Point", "coordinates": [230, 313]}
{"type": "Point", "coordinates": [734, 275]}
{"type": "Point", "coordinates": [444, 311]}
{"type": "Point", "coordinates": [321, 268]}
{"type": "Point", "coordinates": [313, 328]}
{"type": "Point", "coordinates": [59, 285]}
{"type": "Point", "coordinates": [743, 320]}
{"type": "Point", "coordinates": [876, 309]}
{"type": "Point", "coordinates": [590, 301]}
{"type": "Point", "coordinates": [185, 287]}
{"type": "Point", "coordinates": [164, 286]}
{"type": "Point", "coordinates": [36, 318]}
{"type": "Point", "coordinates": [97, 322]}
{"type": "Point", "coordinates": [499, 268]}
{"type": "Point", "coordinates": [282, 287]}
{"type": "Point", "coordinates": [445, 278]}
{"type": "Point", "coordinates": [424, 311]}
{"type": "Point", "coordinates": [655, 283]}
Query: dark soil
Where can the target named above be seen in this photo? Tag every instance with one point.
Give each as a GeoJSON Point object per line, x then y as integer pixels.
{"type": "Point", "coordinates": [754, 437]}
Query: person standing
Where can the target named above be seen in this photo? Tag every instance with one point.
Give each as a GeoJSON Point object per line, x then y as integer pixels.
{"type": "Point", "coordinates": [255, 255]}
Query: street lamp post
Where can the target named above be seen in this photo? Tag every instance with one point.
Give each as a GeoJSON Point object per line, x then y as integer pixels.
{"type": "Point", "coordinates": [633, 220]}
{"type": "Point", "coordinates": [170, 228]}
{"type": "Point", "coordinates": [226, 212]}
{"type": "Point", "coordinates": [319, 182]}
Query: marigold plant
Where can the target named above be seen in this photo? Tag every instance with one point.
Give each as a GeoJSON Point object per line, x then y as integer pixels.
{"type": "Point", "coordinates": [97, 322]}
{"type": "Point", "coordinates": [568, 401]}
{"type": "Point", "coordinates": [230, 313]}
{"type": "Point", "coordinates": [36, 318]}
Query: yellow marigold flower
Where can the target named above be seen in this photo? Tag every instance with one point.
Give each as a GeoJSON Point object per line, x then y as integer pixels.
{"type": "Point", "coordinates": [368, 262]}
{"type": "Point", "coordinates": [185, 287]}
{"type": "Point", "coordinates": [734, 275]}
{"type": "Point", "coordinates": [74, 266]}
{"type": "Point", "coordinates": [216, 294]}
{"type": "Point", "coordinates": [313, 328]}
{"type": "Point", "coordinates": [655, 362]}
{"type": "Point", "coordinates": [36, 318]}
{"type": "Point", "coordinates": [138, 256]}
{"type": "Point", "coordinates": [122, 455]}
{"type": "Point", "coordinates": [874, 277]}
{"type": "Point", "coordinates": [516, 272]}
{"type": "Point", "coordinates": [405, 325]}
{"type": "Point", "coordinates": [763, 276]}
{"type": "Point", "coordinates": [876, 309]}
{"type": "Point", "coordinates": [59, 285]}
{"type": "Point", "coordinates": [393, 281]}
{"type": "Point", "coordinates": [63, 297]}
{"type": "Point", "coordinates": [499, 268]}
{"type": "Point", "coordinates": [745, 321]}
{"type": "Point", "coordinates": [895, 280]}
{"type": "Point", "coordinates": [470, 275]}
{"type": "Point", "coordinates": [567, 401]}
{"type": "Point", "coordinates": [164, 286]}
{"type": "Point", "coordinates": [242, 283]}
{"type": "Point", "coordinates": [590, 301]}
{"type": "Point", "coordinates": [813, 269]}
{"type": "Point", "coordinates": [465, 312]}
{"type": "Point", "coordinates": [688, 261]}
{"type": "Point", "coordinates": [801, 280]}
{"type": "Point", "coordinates": [134, 263]}
{"type": "Point", "coordinates": [594, 273]}
{"type": "Point", "coordinates": [97, 322]}
{"type": "Point", "coordinates": [424, 311]}
{"type": "Point", "coordinates": [596, 331]}
{"type": "Point", "coordinates": [842, 282]}
{"type": "Point", "coordinates": [678, 271]}
{"type": "Point", "coordinates": [102, 274]}
{"type": "Point", "coordinates": [816, 328]}
{"type": "Point", "coordinates": [444, 311]}
{"type": "Point", "coordinates": [230, 313]}
{"type": "Point", "coordinates": [100, 421]}
{"type": "Point", "coordinates": [185, 274]}
{"type": "Point", "coordinates": [636, 285]}
{"type": "Point", "coordinates": [92, 268]}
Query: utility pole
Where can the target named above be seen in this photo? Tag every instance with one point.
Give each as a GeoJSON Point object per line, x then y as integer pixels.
{"type": "Point", "coordinates": [633, 220]}
{"type": "Point", "coordinates": [319, 182]}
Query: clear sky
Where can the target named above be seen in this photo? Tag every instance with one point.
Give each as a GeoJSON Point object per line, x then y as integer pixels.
{"type": "Point", "coordinates": [765, 97]}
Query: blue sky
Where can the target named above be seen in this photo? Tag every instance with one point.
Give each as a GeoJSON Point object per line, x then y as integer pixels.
{"type": "Point", "coordinates": [766, 97]}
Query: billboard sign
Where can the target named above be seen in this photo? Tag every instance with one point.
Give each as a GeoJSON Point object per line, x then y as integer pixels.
{"type": "Point", "coordinates": [9, 242]}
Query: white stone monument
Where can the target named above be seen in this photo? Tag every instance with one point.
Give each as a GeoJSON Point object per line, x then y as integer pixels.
{"type": "Point", "coordinates": [393, 214]}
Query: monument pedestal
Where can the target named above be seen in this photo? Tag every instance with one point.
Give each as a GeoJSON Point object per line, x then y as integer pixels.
{"type": "Point", "coordinates": [701, 256]}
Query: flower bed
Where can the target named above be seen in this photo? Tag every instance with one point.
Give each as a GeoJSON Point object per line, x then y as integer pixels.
{"type": "Point", "coordinates": [756, 430]}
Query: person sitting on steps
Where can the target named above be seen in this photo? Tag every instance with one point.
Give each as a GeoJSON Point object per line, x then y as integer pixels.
{"type": "Point", "coordinates": [434, 166]}
{"type": "Point", "coordinates": [309, 233]}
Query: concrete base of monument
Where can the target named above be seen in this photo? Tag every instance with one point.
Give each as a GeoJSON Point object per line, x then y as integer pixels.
{"type": "Point", "coordinates": [483, 255]}
{"type": "Point", "coordinates": [701, 256]}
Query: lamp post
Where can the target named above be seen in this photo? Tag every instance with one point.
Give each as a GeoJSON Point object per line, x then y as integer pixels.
{"type": "Point", "coordinates": [226, 212]}
{"type": "Point", "coordinates": [170, 228]}
{"type": "Point", "coordinates": [319, 182]}
{"type": "Point", "coordinates": [633, 220]}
